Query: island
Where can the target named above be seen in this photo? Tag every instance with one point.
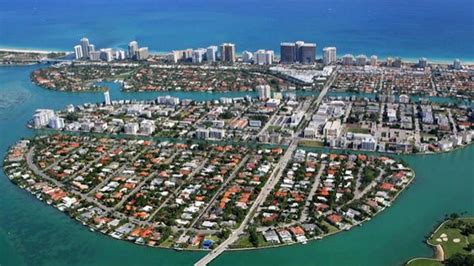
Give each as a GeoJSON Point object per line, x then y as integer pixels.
{"type": "Point", "coordinates": [193, 195]}
{"type": "Point", "coordinates": [453, 242]}
{"type": "Point", "coordinates": [28, 57]}
{"type": "Point", "coordinates": [157, 74]}
{"type": "Point", "coordinates": [368, 124]}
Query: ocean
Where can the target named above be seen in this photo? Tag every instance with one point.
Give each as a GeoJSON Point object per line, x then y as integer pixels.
{"type": "Point", "coordinates": [436, 29]}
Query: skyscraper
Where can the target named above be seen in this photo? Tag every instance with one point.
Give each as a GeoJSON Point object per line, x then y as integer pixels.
{"type": "Point", "coordinates": [106, 54]}
{"type": "Point", "coordinates": [247, 56]}
{"type": "Point", "coordinates": [300, 51]}
{"type": "Point", "coordinates": [397, 62]}
{"type": "Point", "coordinates": [457, 64]}
{"type": "Point", "coordinates": [264, 92]}
{"type": "Point", "coordinates": [329, 56]}
{"type": "Point", "coordinates": [91, 48]}
{"type": "Point", "coordinates": [347, 59]}
{"type": "Point", "coordinates": [132, 49]}
{"type": "Point", "coordinates": [120, 55]}
{"type": "Point", "coordinates": [85, 47]}
{"type": "Point", "coordinates": [361, 60]}
{"type": "Point", "coordinates": [142, 53]}
{"type": "Point", "coordinates": [78, 52]}
{"type": "Point", "coordinates": [211, 54]}
{"type": "Point", "coordinates": [305, 52]}
{"type": "Point", "coordinates": [199, 55]}
{"type": "Point", "coordinates": [94, 55]}
{"type": "Point", "coordinates": [263, 57]}
{"type": "Point", "coordinates": [373, 60]}
{"type": "Point", "coordinates": [269, 56]}
{"type": "Point", "coordinates": [422, 62]}
{"type": "Point", "coordinates": [228, 52]}
{"type": "Point", "coordinates": [287, 53]}
{"type": "Point", "coordinates": [107, 98]}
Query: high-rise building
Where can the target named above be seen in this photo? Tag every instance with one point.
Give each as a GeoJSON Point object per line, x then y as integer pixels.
{"type": "Point", "coordinates": [174, 57]}
{"type": "Point", "coordinates": [202, 133]}
{"type": "Point", "coordinates": [180, 55]}
{"type": "Point", "coordinates": [132, 49]}
{"type": "Point", "coordinates": [107, 100]}
{"type": "Point", "coordinates": [94, 55]}
{"type": "Point", "coordinates": [147, 127]}
{"type": "Point", "coordinates": [41, 117]}
{"type": "Point", "coordinates": [259, 57]}
{"type": "Point", "coordinates": [373, 60]}
{"type": "Point", "coordinates": [91, 48]}
{"type": "Point", "coordinates": [287, 53]}
{"type": "Point", "coordinates": [199, 55]}
{"type": "Point", "coordinates": [329, 56]}
{"type": "Point", "coordinates": [215, 133]}
{"type": "Point", "coordinates": [211, 54]}
{"type": "Point", "coordinates": [78, 52]}
{"type": "Point", "coordinates": [142, 53]}
{"type": "Point", "coordinates": [85, 47]}
{"type": "Point", "coordinates": [120, 55]}
{"type": "Point", "coordinates": [397, 62]}
{"type": "Point", "coordinates": [269, 56]}
{"type": "Point", "coordinates": [348, 59]}
{"type": "Point", "coordinates": [263, 57]}
{"type": "Point", "coordinates": [247, 56]}
{"type": "Point", "coordinates": [264, 92]}
{"type": "Point", "coordinates": [106, 54]}
{"type": "Point", "coordinates": [457, 65]}
{"type": "Point", "coordinates": [188, 54]}
{"type": "Point", "coordinates": [361, 60]}
{"type": "Point", "coordinates": [131, 128]}
{"type": "Point", "coordinates": [56, 122]}
{"type": "Point", "coordinates": [168, 100]}
{"type": "Point", "coordinates": [227, 52]}
{"type": "Point", "coordinates": [422, 62]}
{"type": "Point", "coordinates": [305, 52]}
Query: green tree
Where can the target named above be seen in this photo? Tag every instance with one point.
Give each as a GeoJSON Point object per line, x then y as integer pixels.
{"type": "Point", "coordinates": [253, 236]}
{"type": "Point", "coordinates": [459, 259]}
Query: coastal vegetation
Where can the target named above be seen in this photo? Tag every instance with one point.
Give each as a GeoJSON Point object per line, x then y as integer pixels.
{"type": "Point", "coordinates": [192, 195]}
{"type": "Point", "coordinates": [453, 241]}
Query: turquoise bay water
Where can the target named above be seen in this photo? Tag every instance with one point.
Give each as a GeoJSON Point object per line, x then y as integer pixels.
{"type": "Point", "coordinates": [32, 233]}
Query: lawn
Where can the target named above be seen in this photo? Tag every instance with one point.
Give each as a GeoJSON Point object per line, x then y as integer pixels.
{"type": "Point", "coordinates": [243, 242]}
{"type": "Point", "coordinates": [331, 227]}
{"type": "Point", "coordinates": [311, 143]}
{"type": "Point", "coordinates": [358, 130]}
{"type": "Point", "coordinates": [167, 243]}
{"type": "Point", "coordinates": [450, 247]}
{"type": "Point", "coordinates": [445, 236]}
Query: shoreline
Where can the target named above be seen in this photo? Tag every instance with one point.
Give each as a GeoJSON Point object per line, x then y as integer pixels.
{"type": "Point", "coordinates": [434, 60]}
{"type": "Point", "coordinates": [438, 252]}
{"type": "Point", "coordinates": [32, 51]}
{"type": "Point", "coordinates": [315, 238]}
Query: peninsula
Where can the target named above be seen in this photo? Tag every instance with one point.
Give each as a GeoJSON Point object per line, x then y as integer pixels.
{"type": "Point", "coordinates": [239, 172]}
